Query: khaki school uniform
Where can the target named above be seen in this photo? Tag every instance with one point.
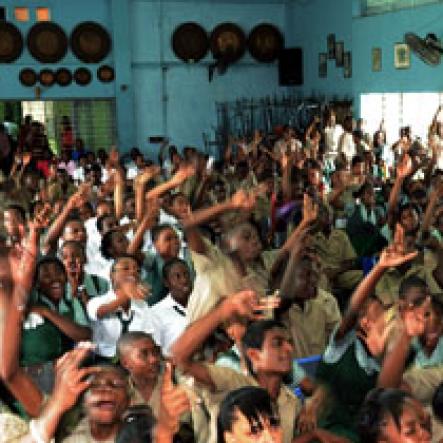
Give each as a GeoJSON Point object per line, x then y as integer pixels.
{"type": "Point", "coordinates": [226, 380]}
{"type": "Point", "coordinates": [216, 278]}
{"type": "Point", "coordinates": [423, 382]}
{"type": "Point", "coordinates": [82, 434]}
{"type": "Point", "coordinates": [333, 250]}
{"type": "Point", "coordinates": [388, 286]}
{"type": "Point", "coordinates": [311, 326]}
{"type": "Point", "coordinates": [154, 402]}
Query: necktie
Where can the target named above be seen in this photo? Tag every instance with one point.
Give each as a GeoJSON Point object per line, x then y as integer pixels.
{"type": "Point", "coordinates": [125, 323]}
{"type": "Point", "coordinates": [179, 310]}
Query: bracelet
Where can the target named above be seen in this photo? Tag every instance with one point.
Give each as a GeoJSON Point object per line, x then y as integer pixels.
{"type": "Point", "coordinates": [36, 434]}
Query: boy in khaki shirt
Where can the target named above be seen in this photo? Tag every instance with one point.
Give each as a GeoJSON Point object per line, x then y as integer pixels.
{"type": "Point", "coordinates": [268, 354]}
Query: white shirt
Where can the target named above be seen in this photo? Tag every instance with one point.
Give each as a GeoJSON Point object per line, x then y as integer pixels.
{"type": "Point", "coordinates": [107, 330]}
{"type": "Point", "coordinates": [347, 145]}
{"type": "Point", "coordinates": [169, 321]}
{"type": "Point", "coordinates": [332, 136]}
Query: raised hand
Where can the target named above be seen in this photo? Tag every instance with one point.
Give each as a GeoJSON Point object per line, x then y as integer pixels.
{"type": "Point", "coordinates": [174, 402]}
{"type": "Point", "coordinates": [242, 200]}
{"type": "Point", "coordinates": [184, 171]}
{"type": "Point", "coordinates": [310, 210]}
{"type": "Point", "coordinates": [26, 159]}
{"type": "Point", "coordinates": [395, 254]}
{"type": "Point", "coordinates": [404, 167]}
{"type": "Point", "coordinates": [147, 174]}
{"type": "Point", "coordinates": [70, 380]}
{"type": "Point", "coordinates": [132, 288]}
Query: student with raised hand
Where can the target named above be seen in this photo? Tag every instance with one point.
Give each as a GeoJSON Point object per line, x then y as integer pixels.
{"type": "Point", "coordinates": [242, 264]}
{"type": "Point", "coordinates": [351, 363]}
{"type": "Point", "coordinates": [268, 352]}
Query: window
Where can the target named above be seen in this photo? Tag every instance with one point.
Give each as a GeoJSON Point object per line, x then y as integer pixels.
{"type": "Point", "coordinates": [371, 7]}
{"type": "Point", "coordinates": [43, 14]}
{"type": "Point", "coordinates": [21, 14]}
{"type": "Point", "coordinates": [400, 109]}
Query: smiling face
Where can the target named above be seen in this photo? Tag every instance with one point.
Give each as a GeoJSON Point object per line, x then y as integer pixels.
{"type": "Point", "coordinates": [120, 243]}
{"type": "Point", "coordinates": [179, 282]}
{"type": "Point", "coordinates": [275, 356]}
{"type": "Point", "coordinates": [107, 397]}
{"type": "Point", "coordinates": [51, 280]}
{"type": "Point", "coordinates": [125, 268]}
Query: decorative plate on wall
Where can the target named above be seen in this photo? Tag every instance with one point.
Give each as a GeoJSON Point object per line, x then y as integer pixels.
{"type": "Point", "coordinates": [46, 77]}
{"type": "Point", "coordinates": [11, 42]}
{"type": "Point", "coordinates": [228, 42]}
{"type": "Point", "coordinates": [28, 77]}
{"type": "Point", "coordinates": [82, 76]}
{"type": "Point", "coordinates": [90, 42]}
{"type": "Point", "coordinates": [190, 42]}
{"type": "Point", "coordinates": [105, 74]}
{"type": "Point", "coordinates": [47, 42]}
{"type": "Point", "coordinates": [265, 42]}
{"type": "Point", "coordinates": [63, 77]}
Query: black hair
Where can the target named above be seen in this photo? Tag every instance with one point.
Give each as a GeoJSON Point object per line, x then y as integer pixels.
{"type": "Point", "coordinates": [101, 220]}
{"type": "Point", "coordinates": [437, 402]}
{"type": "Point", "coordinates": [19, 209]}
{"type": "Point", "coordinates": [378, 404]}
{"type": "Point", "coordinates": [177, 195]}
{"type": "Point", "coordinates": [169, 264]}
{"type": "Point", "coordinates": [106, 245]}
{"type": "Point", "coordinates": [255, 336]}
{"type": "Point", "coordinates": [137, 427]}
{"type": "Point", "coordinates": [120, 257]}
{"type": "Point", "coordinates": [356, 160]}
{"type": "Point", "coordinates": [76, 244]}
{"type": "Point", "coordinates": [129, 338]}
{"type": "Point", "coordinates": [411, 282]}
{"type": "Point", "coordinates": [362, 189]}
{"type": "Point", "coordinates": [251, 401]}
{"type": "Point", "coordinates": [158, 229]}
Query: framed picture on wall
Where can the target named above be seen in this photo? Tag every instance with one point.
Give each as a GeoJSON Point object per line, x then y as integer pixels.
{"type": "Point", "coordinates": [339, 51]}
{"type": "Point", "coordinates": [376, 59]}
{"type": "Point", "coordinates": [402, 56]}
{"type": "Point", "coordinates": [331, 46]}
{"type": "Point", "coordinates": [347, 64]}
{"type": "Point", "coordinates": [322, 64]}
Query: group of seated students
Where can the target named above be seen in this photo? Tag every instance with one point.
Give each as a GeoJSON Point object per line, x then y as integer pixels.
{"type": "Point", "coordinates": [180, 301]}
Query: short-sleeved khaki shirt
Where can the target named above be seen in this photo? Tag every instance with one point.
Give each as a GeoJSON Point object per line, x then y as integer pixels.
{"type": "Point", "coordinates": [226, 380]}
{"type": "Point", "coordinates": [311, 326]}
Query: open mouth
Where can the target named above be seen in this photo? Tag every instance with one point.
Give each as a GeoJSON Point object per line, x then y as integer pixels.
{"type": "Point", "coordinates": [105, 405]}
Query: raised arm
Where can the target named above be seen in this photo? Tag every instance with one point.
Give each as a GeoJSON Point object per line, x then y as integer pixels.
{"type": "Point", "coordinates": [241, 201]}
{"type": "Point", "coordinates": [413, 325]}
{"type": "Point", "coordinates": [394, 255]}
{"type": "Point", "coordinates": [147, 223]}
{"type": "Point", "coordinates": [139, 189]}
{"type": "Point", "coordinates": [15, 293]}
{"type": "Point", "coordinates": [243, 304]}
{"type": "Point", "coordinates": [56, 229]}
{"type": "Point", "coordinates": [404, 169]}
{"type": "Point", "coordinates": [184, 172]}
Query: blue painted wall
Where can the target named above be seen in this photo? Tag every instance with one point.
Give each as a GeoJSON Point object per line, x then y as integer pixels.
{"type": "Point", "coordinates": [311, 22]}
{"type": "Point", "coordinates": [314, 20]}
{"type": "Point", "coordinates": [176, 99]}
{"type": "Point", "coordinates": [67, 14]}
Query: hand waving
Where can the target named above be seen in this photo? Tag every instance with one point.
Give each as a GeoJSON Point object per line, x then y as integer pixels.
{"type": "Point", "coordinates": [404, 167]}
{"type": "Point", "coordinates": [395, 254]}
{"type": "Point", "coordinates": [310, 210]}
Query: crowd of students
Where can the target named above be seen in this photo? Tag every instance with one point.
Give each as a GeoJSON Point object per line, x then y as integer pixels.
{"type": "Point", "coordinates": [179, 300]}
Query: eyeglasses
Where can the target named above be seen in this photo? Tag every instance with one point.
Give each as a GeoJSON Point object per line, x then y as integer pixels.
{"type": "Point", "coordinates": [116, 383]}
